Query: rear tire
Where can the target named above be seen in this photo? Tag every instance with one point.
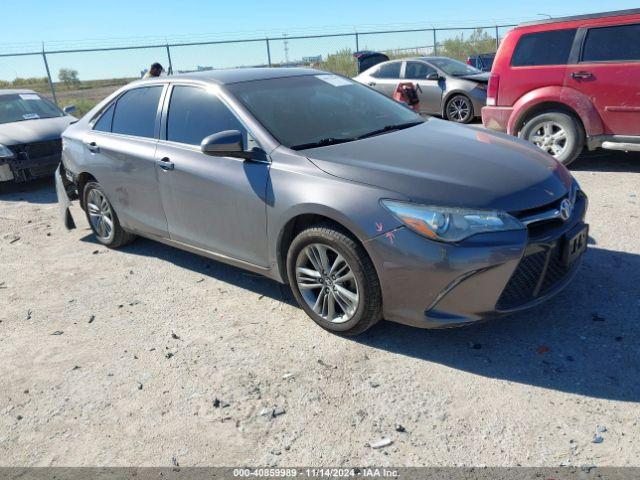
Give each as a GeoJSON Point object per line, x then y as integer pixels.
{"type": "Point", "coordinates": [102, 217]}
{"type": "Point", "coordinates": [557, 133]}
{"type": "Point", "coordinates": [459, 109]}
{"type": "Point", "coordinates": [334, 281]}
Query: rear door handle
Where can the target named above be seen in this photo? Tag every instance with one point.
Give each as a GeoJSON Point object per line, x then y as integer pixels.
{"type": "Point", "coordinates": [92, 146]}
{"type": "Point", "coordinates": [581, 75]}
{"type": "Point", "coordinates": [165, 164]}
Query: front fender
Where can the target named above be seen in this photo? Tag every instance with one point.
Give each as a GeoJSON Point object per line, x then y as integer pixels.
{"type": "Point", "coordinates": [575, 100]}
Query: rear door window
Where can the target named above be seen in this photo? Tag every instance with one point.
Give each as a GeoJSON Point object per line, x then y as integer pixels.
{"type": "Point", "coordinates": [195, 113]}
{"type": "Point", "coordinates": [610, 44]}
{"type": "Point", "coordinates": [544, 48]}
{"type": "Point", "coordinates": [136, 111]}
{"type": "Point", "coordinates": [388, 70]}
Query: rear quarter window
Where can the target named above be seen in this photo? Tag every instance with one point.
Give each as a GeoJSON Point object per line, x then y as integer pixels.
{"type": "Point", "coordinates": [610, 44]}
{"type": "Point", "coordinates": [543, 48]}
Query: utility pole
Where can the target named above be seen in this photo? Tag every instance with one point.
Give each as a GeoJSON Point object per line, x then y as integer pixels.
{"type": "Point", "coordinates": [286, 49]}
{"type": "Point", "coordinates": [46, 66]}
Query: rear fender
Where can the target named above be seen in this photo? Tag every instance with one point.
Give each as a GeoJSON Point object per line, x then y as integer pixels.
{"type": "Point", "coordinates": [573, 99]}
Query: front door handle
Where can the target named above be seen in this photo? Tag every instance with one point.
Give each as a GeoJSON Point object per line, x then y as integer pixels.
{"type": "Point", "coordinates": [165, 164]}
{"type": "Point", "coordinates": [581, 75]}
{"type": "Point", "coordinates": [93, 147]}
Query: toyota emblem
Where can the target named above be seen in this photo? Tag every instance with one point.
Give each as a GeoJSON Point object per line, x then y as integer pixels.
{"type": "Point", "coordinates": [565, 209]}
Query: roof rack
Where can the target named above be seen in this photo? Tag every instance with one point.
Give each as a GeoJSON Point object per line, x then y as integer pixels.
{"type": "Point", "coordinates": [590, 16]}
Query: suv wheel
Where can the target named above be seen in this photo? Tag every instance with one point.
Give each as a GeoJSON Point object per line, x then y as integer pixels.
{"type": "Point", "coordinates": [334, 281]}
{"type": "Point", "coordinates": [103, 219]}
{"type": "Point", "coordinates": [556, 133]}
{"type": "Point", "coordinates": [459, 109]}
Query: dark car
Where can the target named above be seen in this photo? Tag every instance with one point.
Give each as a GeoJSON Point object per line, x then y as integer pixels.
{"type": "Point", "coordinates": [482, 61]}
{"type": "Point", "coordinates": [30, 129]}
{"type": "Point", "coordinates": [366, 209]}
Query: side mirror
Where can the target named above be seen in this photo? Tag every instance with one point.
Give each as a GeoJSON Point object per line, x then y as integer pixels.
{"type": "Point", "coordinates": [228, 143]}
{"type": "Point", "coordinates": [433, 76]}
{"type": "Point", "coordinates": [69, 109]}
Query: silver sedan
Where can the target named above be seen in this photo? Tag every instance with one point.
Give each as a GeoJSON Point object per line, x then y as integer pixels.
{"type": "Point", "coordinates": [446, 87]}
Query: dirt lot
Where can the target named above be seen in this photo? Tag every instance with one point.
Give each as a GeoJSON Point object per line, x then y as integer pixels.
{"type": "Point", "coordinates": [151, 356]}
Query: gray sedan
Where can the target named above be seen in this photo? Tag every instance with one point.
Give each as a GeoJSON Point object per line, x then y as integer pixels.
{"type": "Point", "coordinates": [30, 129]}
{"type": "Point", "coordinates": [366, 209]}
{"type": "Point", "coordinates": [446, 87]}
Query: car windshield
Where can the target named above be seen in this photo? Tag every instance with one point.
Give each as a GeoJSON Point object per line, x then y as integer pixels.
{"type": "Point", "coordinates": [319, 110]}
{"type": "Point", "coordinates": [17, 107]}
{"type": "Point", "coordinates": [454, 67]}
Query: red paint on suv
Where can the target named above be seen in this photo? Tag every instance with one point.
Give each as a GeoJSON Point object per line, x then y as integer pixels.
{"type": "Point", "coordinates": [567, 83]}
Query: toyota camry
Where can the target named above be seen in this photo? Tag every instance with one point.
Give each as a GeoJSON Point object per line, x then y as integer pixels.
{"type": "Point", "coordinates": [367, 210]}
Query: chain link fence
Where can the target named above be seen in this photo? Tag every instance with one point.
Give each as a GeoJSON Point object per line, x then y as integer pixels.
{"type": "Point", "coordinates": [84, 76]}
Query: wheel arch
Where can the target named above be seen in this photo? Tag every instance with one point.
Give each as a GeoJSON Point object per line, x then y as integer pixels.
{"type": "Point", "coordinates": [449, 95]}
{"type": "Point", "coordinates": [562, 99]}
{"type": "Point", "coordinates": [299, 222]}
{"type": "Point", "coordinates": [81, 181]}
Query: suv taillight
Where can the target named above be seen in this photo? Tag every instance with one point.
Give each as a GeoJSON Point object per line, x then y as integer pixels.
{"type": "Point", "coordinates": [492, 89]}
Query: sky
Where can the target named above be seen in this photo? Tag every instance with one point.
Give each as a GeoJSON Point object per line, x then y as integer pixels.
{"type": "Point", "coordinates": [69, 24]}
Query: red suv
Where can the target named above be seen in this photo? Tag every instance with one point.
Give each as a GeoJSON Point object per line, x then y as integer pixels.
{"type": "Point", "coordinates": [569, 82]}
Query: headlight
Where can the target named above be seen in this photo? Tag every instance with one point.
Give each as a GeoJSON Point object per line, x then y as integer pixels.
{"type": "Point", "coordinates": [450, 224]}
{"type": "Point", "coordinates": [5, 152]}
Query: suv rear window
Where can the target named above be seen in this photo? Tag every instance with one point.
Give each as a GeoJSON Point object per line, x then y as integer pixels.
{"type": "Point", "coordinates": [608, 44]}
{"type": "Point", "coordinates": [544, 48]}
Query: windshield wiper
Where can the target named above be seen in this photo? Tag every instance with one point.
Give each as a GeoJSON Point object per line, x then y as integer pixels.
{"type": "Point", "coordinates": [322, 143]}
{"type": "Point", "coordinates": [391, 128]}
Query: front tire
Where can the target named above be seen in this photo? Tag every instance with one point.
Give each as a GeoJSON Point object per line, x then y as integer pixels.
{"type": "Point", "coordinates": [334, 281]}
{"type": "Point", "coordinates": [557, 133]}
{"type": "Point", "coordinates": [102, 217]}
{"type": "Point", "coordinates": [459, 109]}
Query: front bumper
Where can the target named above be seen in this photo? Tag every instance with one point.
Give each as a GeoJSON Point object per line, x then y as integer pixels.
{"type": "Point", "coordinates": [66, 191]}
{"type": "Point", "coordinates": [31, 161]}
{"type": "Point", "coordinates": [497, 118]}
{"type": "Point", "coordinates": [436, 285]}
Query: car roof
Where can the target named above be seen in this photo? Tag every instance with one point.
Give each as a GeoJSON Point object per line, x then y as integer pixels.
{"type": "Point", "coordinates": [434, 58]}
{"type": "Point", "coordinates": [14, 91]}
{"type": "Point", "coordinates": [590, 16]}
{"type": "Point", "coordinates": [237, 75]}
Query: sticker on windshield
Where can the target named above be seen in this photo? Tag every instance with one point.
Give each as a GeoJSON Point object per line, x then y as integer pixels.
{"type": "Point", "coordinates": [334, 80]}
{"type": "Point", "coordinates": [29, 96]}
{"type": "Point", "coordinates": [30, 116]}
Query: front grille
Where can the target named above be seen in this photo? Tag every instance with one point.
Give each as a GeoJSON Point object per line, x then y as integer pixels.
{"type": "Point", "coordinates": [539, 271]}
{"type": "Point", "coordinates": [31, 151]}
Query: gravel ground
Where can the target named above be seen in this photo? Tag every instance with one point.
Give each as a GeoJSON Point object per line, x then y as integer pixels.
{"type": "Point", "coordinates": [152, 356]}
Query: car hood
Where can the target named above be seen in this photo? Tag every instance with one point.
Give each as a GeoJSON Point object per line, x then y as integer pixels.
{"type": "Point", "coordinates": [477, 77]}
{"type": "Point", "coordinates": [30, 131]}
{"type": "Point", "coordinates": [446, 164]}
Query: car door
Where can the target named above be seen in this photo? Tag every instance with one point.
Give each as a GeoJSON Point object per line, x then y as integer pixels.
{"type": "Point", "coordinates": [213, 203]}
{"type": "Point", "coordinates": [429, 91]}
{"type": "Point", "coordinates": [120, 151]}
{"type": "Point", "coordinates": [386, 78]}
{"type": "Point", "coordinates": [608, 72]}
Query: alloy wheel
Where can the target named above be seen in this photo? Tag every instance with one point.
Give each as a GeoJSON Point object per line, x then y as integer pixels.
{"type": "Point", "coordinates": [550, 137]}
{"type": "Point", "coordinates": [459, 109]}
{"type": "Point", "coordinates": [327, 283]}
{"type": "Point", "coordinates": [100, 214]}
